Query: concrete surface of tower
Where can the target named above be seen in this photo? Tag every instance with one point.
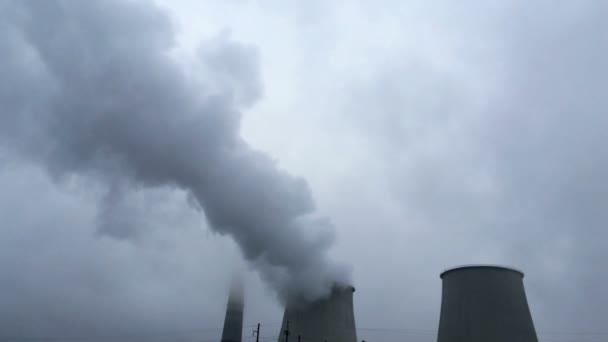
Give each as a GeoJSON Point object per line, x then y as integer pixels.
{"type": "Point", "coordinates": [482, 303]}
{"type": "Point", "coordinates": [326, 320]}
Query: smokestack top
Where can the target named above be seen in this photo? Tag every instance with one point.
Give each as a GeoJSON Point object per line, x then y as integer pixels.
{"type": "Point", "coordinates": [233, 323]}
{"type": "Point", "coordinates": [237, 291]}
{"type": "Point", "coordinates": [339, 288]}
{"type": "Point", "coordinates": [481, 267]}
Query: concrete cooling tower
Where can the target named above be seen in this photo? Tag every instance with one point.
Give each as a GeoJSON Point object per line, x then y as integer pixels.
{"type": "Point", "coordinates": [331, 319]}
{"type": "Point", "coordinates": [484, 303]}
{"type": "Point", "coordinates": [233, 323]}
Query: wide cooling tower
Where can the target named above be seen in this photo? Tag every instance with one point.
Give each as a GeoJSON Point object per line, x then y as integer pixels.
{"type": "Point", "coordinates": [483, 303]}
{"type": "Point", "coordinates": [331, 319]}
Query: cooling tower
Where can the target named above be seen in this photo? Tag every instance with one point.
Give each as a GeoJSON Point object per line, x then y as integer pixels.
{"type": "Point", "coordinates": [484, 304]}
{"type": "Point", "coordinates": [233, 323]}
{"type": "Point", "coordinates": [331, 319]}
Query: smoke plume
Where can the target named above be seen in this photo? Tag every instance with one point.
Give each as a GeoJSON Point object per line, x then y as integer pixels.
{"type": "Point", "coordinates": [90, 88]}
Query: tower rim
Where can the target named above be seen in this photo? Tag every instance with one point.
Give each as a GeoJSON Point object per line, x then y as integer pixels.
{"type": "Point", "coordinates": [481, 266]}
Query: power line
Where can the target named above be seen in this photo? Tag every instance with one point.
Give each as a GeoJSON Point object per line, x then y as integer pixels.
{"type": "Point", "coordinates": [547, 335]}
{"type": "Point", "coordinates": [124, 336]}
{"type": "Point", "coordinates": [398, 330]}
{"type": "Point", "coordinates": [573, 332]}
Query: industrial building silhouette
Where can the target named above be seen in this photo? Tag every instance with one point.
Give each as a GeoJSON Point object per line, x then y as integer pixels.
{"type": "Point", "coordinates": [479, 303]}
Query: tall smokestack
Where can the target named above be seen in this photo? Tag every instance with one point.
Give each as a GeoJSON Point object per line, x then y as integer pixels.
{"type": "Point", "coordinates": [330, 319]}
{"type": "Point", "coordinates": [484, 303]}
{"type": "Point", "coordinates": [233, 323]}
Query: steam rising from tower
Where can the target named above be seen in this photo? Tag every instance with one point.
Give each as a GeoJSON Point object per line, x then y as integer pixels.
{"type": "Point", "coordinates": [92, 91]}
{"type": "Point", "coordinates": [484, 303]}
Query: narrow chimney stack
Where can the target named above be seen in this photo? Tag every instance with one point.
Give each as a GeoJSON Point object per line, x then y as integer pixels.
{"type": "Point", "coordinates": [233, 323]}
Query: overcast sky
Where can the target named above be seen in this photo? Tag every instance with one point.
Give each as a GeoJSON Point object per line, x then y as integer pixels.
{"type": "Point", "coordinates": [429, 134]}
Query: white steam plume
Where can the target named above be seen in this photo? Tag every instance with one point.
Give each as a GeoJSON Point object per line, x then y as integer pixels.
{"type": "Point", "coordinates": [89, 87]}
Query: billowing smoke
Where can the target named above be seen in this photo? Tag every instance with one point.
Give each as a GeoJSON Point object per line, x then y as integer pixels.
{"type": "Point", "coordinates": [90, 88]}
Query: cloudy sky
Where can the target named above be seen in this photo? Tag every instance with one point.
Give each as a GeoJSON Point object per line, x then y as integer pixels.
{"type": "Point", "coordinates": [149, 149]}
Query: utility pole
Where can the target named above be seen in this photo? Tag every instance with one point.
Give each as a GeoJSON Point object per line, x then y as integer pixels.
{"type": "Point", "coordinates": [287, 332]}
{"type": "Point", "coordinates": [298, 337]}
{"type": "Point", "coordinates": [257, 333]}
